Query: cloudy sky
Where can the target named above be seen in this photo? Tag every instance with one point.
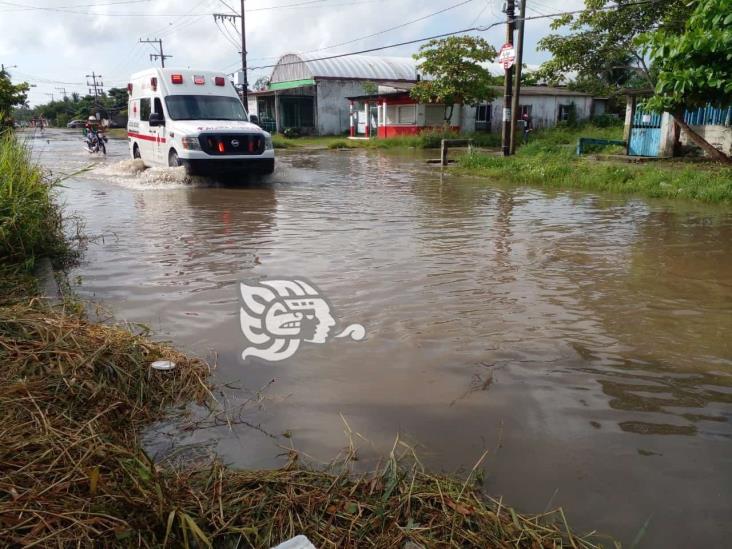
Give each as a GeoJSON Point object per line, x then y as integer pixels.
{"type": "Point", "coordinates": [55, 43]}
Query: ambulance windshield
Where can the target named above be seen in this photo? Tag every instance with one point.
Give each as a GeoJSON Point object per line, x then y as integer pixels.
{"type": "Point", "coordinates": [204, 107]}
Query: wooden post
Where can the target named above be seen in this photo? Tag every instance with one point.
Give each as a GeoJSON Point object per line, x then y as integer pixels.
{"type": "Point", "coordinates": [443, 153]}
{"type": "Point", "coordinates": [278, 129]}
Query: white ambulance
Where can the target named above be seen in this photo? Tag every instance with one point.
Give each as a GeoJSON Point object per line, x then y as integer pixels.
{"type": "Point", "coordinates": [194, 118]}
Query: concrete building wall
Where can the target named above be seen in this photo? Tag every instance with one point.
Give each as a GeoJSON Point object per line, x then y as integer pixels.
{"type": "Point", "coordinates": [718, 136]}
{"type": "Point", "coordinates": [544, 111]}
{"type": "Point", "coordinates": [332, 107]}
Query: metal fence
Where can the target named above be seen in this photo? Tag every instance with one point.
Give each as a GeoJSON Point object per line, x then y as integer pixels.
{"type": "Point", "coordinates": [709, 115]}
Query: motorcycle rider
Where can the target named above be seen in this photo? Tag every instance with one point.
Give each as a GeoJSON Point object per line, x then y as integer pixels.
{"type": "Point", "coordinates": [94, 137]}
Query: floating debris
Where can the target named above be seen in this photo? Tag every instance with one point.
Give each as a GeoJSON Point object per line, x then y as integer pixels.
{"type": "Point", "coordinates": [163, 365]}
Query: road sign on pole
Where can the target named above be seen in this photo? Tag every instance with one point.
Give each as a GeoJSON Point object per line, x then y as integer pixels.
{"type": "Point", "coordinates": [507, 56]}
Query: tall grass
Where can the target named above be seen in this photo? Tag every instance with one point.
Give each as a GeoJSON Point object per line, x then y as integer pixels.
{"type": "Point", "coordinates": [549, 160]}
{"type": "Point", "coordinates": [30, 221]}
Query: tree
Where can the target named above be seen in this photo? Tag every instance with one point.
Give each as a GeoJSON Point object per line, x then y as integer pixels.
{"type": "Point", "coordinates": [262, 83]}
{"type": "Point", "coordinates": [694, 67]}
{"type": "Point", "coordinates": [11, 95]}
{"type": "Point", "coordinates": [370, 88]}
{"type": "Point", "coordinates": [454, 73]}
{"type": "Point", "coordinates": [599, 45]}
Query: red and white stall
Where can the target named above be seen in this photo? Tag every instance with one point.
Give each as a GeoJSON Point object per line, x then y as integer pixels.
{"type": "Point", "coordinates": [391, 113]}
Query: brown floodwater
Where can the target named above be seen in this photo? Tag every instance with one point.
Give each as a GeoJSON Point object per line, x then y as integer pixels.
{"type": "Point", "coordinates": [583, 339]}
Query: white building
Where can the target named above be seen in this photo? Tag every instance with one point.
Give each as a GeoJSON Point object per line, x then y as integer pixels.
{"type": "Point", "coordinates": [546, 106]}
{"type": "Point", "coordinates": [312, 95]}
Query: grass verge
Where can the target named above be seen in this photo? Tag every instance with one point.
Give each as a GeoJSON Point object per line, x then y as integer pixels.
{"type": "Point", "coordinates": [550, 161]}
{"type": "Point", "coordinates": [75, 395]}
{"type": "Point", "coordinates": [425, 140]}
{"type": "Point", "coordinates": [117, 133]}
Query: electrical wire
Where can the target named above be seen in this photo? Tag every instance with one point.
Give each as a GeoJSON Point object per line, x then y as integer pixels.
{"type": "Point", "coordinates": [453, 33]}
{"type": "Point", "coordinates": [384, 31]}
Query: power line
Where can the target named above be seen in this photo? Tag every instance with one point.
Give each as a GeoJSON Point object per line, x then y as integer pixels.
{"type": "Point", "coordinates": [26, 7]}
{"type": "Point", "coordinates": [463, 31]}
{"type": "Point", "coordinates": [116, 14]}
{"type": "Point", "coordinates": [384, 31]}
{"type": "Point", "coordinates": [232, 17]}
{"type": "Point", "coordinates": [402, 25]}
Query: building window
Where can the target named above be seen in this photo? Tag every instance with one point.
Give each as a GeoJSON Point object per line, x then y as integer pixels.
{"type": "Point", "coordinates": [483, 113]}
{"type": "Point", "coordinates": [407, 114]}
{"type": "Point", "coordinates": [145, 109]}
{"type": "Point", "coordinates": [565, 112]}
{"type": "Point", "coordinates": [434, 115]}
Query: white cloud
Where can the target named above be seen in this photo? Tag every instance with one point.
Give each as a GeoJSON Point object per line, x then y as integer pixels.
{"type": "Point", "coordinates": [57, 46]}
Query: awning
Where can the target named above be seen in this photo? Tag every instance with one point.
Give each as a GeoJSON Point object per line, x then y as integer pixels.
{"type": "Point", "coordinates": [291, 84]}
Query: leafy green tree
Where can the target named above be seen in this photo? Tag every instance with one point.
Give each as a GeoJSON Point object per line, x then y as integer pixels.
{"type": "Point", "coordinates": [454, 72]}
{"type": "Point", "coordinates": [599, 45]}
{"type": "Point", "coordinates": [11, 95]}
{"type": "Point", "coordinates": [694, 67]}
{"type": "Point", "coordinates": [370, 88]}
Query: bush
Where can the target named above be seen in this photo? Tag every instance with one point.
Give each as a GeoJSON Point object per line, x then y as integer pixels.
{"type": "Point", "coordinates": [30, 222]}
{"type": "Point", "coordinates": [291, 132]}
{"type": "Point", "coordinates": [606, 120]}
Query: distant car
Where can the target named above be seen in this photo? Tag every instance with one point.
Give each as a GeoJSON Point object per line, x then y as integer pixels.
{"type": "Point", "coordinates": [76, 124]}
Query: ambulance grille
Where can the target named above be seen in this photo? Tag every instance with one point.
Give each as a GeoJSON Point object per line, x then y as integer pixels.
{"type": "Point", "coordinates": [222, 144]}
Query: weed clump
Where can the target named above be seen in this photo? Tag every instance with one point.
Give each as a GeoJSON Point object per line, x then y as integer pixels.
{"type": "Point", "coordinates": [30, 222]}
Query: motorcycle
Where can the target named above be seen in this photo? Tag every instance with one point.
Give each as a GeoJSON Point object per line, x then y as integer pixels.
{"type": "Point", "coordinates": [95, 142]}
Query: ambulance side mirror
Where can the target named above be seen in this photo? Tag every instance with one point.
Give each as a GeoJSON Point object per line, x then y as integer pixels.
{"type": "Point", "coordinates": [254, 119]}
{"type": "Point", "coordinates": [156, 119]}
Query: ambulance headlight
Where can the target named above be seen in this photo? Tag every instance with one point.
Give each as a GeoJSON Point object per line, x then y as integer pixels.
{"type": "Point", "coordinates": [268, 142]}
{"type": "Point", "coordinates": [190, 143]}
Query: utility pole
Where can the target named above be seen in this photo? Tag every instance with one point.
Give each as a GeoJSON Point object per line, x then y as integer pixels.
{"type": "Point", "coordinates": [50, 95]}
{"type": "Point", "coordinates": [519, 66]}
{"type": "Point", "coordinates": [154, 56]}
{"type": "Point", "coordinates": [98, 88]}
{"type": "Point", "coordinates": [244, 56]}
{"type": "Point", "coordinates": [95, 87]}
{"type": "Point", "coordinates": [223, 17]}
{"type": "Point", "coordinates": [508, 82]}
{"type": "Point", "coordinates": [4, 69]}
{"type": "Point", "coordinates": [63, 91]}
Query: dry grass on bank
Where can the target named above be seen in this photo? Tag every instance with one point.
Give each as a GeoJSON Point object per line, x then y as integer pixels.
{"type": "Point", "coordinates": [73, 399]}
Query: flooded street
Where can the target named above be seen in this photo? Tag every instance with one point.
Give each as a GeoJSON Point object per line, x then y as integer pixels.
{"type": "Point", "coordinates": [584, 340]}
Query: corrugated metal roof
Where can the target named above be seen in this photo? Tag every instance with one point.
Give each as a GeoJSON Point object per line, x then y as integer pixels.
{"type": "Point", "coordinates": [366, 67]}
{"type": "Point", "coordinates": [549, 90]}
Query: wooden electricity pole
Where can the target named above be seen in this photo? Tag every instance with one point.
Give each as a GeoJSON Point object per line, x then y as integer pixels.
{"type": "Point", "coordinates": [517, 86]}
{"type": "Point", "coordinates": [244, 57]}
{"type": "Point", "coordinates": [242, 19]}
{"type": "Point", "coordinates": [508, 83]}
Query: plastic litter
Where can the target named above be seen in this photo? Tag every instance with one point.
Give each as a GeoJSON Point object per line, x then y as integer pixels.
{"type": "Point", "coordinates": [163, 365]}
{"type": "Point", "coordinates": [298, 542]}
